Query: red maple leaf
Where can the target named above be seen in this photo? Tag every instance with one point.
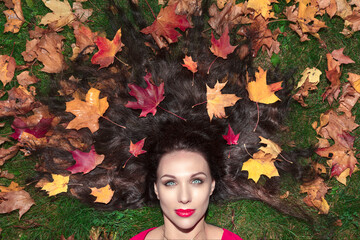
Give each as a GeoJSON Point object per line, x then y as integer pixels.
{"type": "Point", "coordinates": [165, 24]}
{"type": "Point", "coordinates": [107, 50]}
{"type": "Point", "coordinates": [147, 98]}
{"type": "Point", "coordinates": [222, 47]}
{"type": "Point", "coordinates": [136, 149]}
{"type": "Point", "coordinates": [39, 130]}
{"type": "Point", "coordinates": [230, 137]}
{"type": "Point", "coordinates": [85, 161]}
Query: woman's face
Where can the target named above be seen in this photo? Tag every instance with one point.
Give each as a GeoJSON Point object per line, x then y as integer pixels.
{"type": "Point", "coordinates": [183, 186]}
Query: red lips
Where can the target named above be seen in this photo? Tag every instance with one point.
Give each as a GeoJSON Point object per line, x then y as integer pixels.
{"type": "Point", "coordinates": [185, 212]}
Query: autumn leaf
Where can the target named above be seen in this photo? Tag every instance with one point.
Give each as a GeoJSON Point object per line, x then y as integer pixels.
{"type": "Point", "coordinates": [271, 148]}
{"type": "Point", "coordinates": [354, 79]}
{"type": "Point", "coordinates": [14, 18]}
{"type": "Point", "coordinates": [230, 137]}
{"type": "Point", "coordinates": [147, 98]}
{"type": "Point", "coordinates": [312, 74]}
{"type": "Point", "coordinates": [103, 195]}
{"type": "Point", "coordinates": [260, 92]}
{"type": "Point", "coordinates": [20, 101]}
{"type": "Point", "coordinates": [136, 149]}
{"type": "Point", "coordinates": [25, 79]}
{"type": "Point", "coordinates": [7, 69]}
{"type": "Point", "coordinates": [316, 191]}
{"type": "Point", "coordinates": [165, 24]}
{"type": "Point", "coordinates": [107, 50]}
{"type": "Point", "coordinates": [190, 64]}
{"type": "Point", "coordinates": [84, 38]}
{"type": "Point", "coordinates": [221, 47]}
{"type": "Point", "coordinates": [340, 57]}
{"type": "Point", "coordinates": [85, 161]}
{"type": "Point", "coordinates": [8, 153]}
{"type": "Point", "coordinates": [260, 164]}
{"type": "Point", "coordinates": [348, 99]}
{"type": "Point", "coordinates": [87, 113]}
{"type": "Point", "coordinates": [81, 13]}
{"type": "Point", "coordinates": [58, 185]}
{"type": "Point", "coordinates": [14, 200]}
{"type": "Point", "coordinates": [39, 130]}
{"type": "Point", "coordinates": [13, 187]}
{"type": "Point", "coordinates": [62, 14]}
{"type": "Point", "coordinates": [262, 7]}
{"type": "Point", "coordinates": [216, 102]}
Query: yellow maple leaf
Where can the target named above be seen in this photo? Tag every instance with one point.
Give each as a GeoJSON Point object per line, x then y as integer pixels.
{"type": "Point", "coordinates": [87, 113]}
{"type": "Point", "coordinates": [354, 80]}
{"type": "Point", "coordinates": [260, 164]}
{"type": "Point", "coordinates": [260, 92]}
{"type": "Point", "coordinates": [62, 13]}
{"type": "Point", "coordinates": [13, 187]}
{"type": "Point", "coordinates": [272, 148]}
{"type": "Point", "coordinates": [262, 7]}
{"type": "Point", "coordinates": [313, 74]}
{"type": "Point", "coordinates": [216, 102]}
{"type": "Point", "coordinates": [59, 185]}
{"type": "Point", "coordinates": [103, 195]}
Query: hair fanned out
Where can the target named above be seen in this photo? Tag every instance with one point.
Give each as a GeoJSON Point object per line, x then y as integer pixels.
{"type": "Point", "coordinates": [183, 93]}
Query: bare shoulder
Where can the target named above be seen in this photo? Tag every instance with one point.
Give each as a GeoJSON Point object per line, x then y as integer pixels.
{"type": "Point", "coordinates": [156, 233]}
{"type": "Point", "coordinates": [214, 231]}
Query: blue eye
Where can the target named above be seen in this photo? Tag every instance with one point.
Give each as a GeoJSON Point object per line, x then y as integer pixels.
{"type": "Point", "coordinates": [197, 181]}
{"type": "Point", "coordinates": [170, 183]}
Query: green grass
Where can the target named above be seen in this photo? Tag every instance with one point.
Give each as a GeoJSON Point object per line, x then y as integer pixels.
{"type": "Point", "coordinates": [52, 217]}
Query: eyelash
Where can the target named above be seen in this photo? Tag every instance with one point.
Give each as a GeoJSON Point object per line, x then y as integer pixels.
{"type": "Point", "coordinates": [172, 183]}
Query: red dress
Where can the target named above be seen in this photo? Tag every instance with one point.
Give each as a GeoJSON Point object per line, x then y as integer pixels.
{"type": "Point", "coordinates": [227, 235]}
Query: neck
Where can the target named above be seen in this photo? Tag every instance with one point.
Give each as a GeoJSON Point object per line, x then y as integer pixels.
{"type": "Point", "coordinates": [170, 231]}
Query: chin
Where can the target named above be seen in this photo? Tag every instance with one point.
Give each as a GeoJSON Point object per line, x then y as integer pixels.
{"type": "Point", "coordinates": [186, 224]}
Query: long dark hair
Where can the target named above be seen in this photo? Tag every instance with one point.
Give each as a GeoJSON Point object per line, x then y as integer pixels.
{"type": "Point", "coordinates": [165, 132]}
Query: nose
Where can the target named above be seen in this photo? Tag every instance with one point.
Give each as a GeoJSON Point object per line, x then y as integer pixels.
{"type": "Point", "coordinates": [184, 194]}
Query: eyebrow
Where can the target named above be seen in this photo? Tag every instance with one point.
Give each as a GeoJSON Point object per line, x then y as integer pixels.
{"type": "Point", "coordinates": [172, 176]}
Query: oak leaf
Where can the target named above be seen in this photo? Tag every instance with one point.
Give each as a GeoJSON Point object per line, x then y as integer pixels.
{"type": "Point", "coordinates": [260, 92]}
{"type": "Point", "coordinates": [216, 101]}
{"type": "Point", "coordinates": [147, 98]}
{"type": "Point", "coordinates": [87, 113]}
{"type": "Point", "coordinates": [165, 24]}
{"type": "Point", "coordinates": [230, 137]}
{"type": "Point", "coordinates": [58, 185]}
{"type": "Point", "coordinates": [15, 18]}
{"type": "Point", "coordinates": [190, 64]}
{"type": "Point", "coordinates": [260, 164]}
{"type": "Point", "coordinates": [103, 195]}
{"type": "Point", "coordinates": [107, 50]}
{"type": "Point", "coordinates": [62, 14]}
{"type": "Point", "coordinates": [221, 47]}
{"type": "Point", "coordinates": [14, 200]}
{"type": "Point", "coordinates": [7, 68]}
{"type": "Point", "coordinates": [85, 161]}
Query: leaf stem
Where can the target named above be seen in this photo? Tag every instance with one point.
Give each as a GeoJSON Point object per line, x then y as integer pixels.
{"type": "Point", "coordinates": [211, 65]}
{"type": "Point", "coordinates": [150, 9]}
{"type": "Point", "coordinates": [121, 61]}
{"type": "Point", "coordinates": [258, 116]}
{"type": "Point", "coordinates": [126, 161]}
{"type": "Point", "coordinates": [247, 150]}
{"type": "Point", "coordinates": [113, 122]}
{"type": "Point", "coordinates": [198, 104]}
{"type": "Point", "coordinates": [172, 113]}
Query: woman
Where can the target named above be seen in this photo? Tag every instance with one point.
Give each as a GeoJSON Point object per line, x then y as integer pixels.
{"type": "Point", "coordinates": [183, 173]}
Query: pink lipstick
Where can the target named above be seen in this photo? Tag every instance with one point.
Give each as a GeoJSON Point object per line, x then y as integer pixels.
{"type": "Point", "coordinates": [185, 212]}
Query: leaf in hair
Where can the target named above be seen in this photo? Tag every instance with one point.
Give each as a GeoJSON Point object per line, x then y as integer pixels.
{"type": "Point", "coordinates": [221, 47]}
{"type": "Point", "coordinates": [103, 195]}
{"type": "Point", "coordinates": [85, 161]}
{"type": "Point", "coordinates": [59, 185]}
{"type": "Point", "coordinates": [230, 137]}
{"type": "Point", "coordinates": [147, 98]}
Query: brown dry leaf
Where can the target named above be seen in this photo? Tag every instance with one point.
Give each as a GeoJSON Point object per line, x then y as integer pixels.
{"type": "Point", "coordinates": [319, 168]}
{"type": "Point", "coordinates": [31, 142]}
{"type": "Point", "coordinates": [62, 14]}
{"type": "Point", "coordinates": [10, 201]}
{"type": "Point", "coordinates": [24, 79]}
{"type": "Point", "coordinates": [103, 195]}
{"type": "Point", "coordinates": [333, 75]}
{"type": "Point", "coordinates": [229, 17]}
{"type": "Point", "coordinates": [343, 8]}
{"type": "Point", "coordinates": [187, 7]}
{"type": "Point", "coordinates": [340, 57]}
{"type": "Point", "coordinates": [87, 113]}
{"type": "Point", "coordinates": [81, 14]}
{"type": "Point", "coordinates": [7, 69]}
{"type": "Point", "coordinates": [313, 76]}
{"type": "Point", "coordinates": [303, 92]}
{"type": "Point", "coordinates": [6, 174]}
{"type": "Point", "coordinates": [316, 191]}
{"type": "Point", "coordinates": [20, 101]}
{"type": "Point", "coordinates": [6, 154]}
{"type": "Point", "coordinates": [15, 18]}
{"type": "Point", "coordinates": [348, 99]}
{"type": "Point", "coordinates": [216, 102]}
{"type": "Point", "coordinates": [84, 38]}
{"type": "Point", "coordinates": [354, 79]}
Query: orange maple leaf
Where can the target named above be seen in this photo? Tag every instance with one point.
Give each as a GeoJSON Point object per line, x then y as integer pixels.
{"type": "Point", "coordinates": [87, 113]}
{"type": "Point", "coordinates": [190, 64]}
{"type": "Point", "coordinates": [107, 50]}
{"type": "Point", "coordinates": [260, 92]}
{"type": "Point", "coordinates": [103, 195]}
{"type": "Point", "coordinates": [216, 102]}
{"type": "Point", "coordinates": [165, 24]}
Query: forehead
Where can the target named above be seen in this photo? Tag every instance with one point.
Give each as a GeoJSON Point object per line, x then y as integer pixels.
{"type": "Point", "coordinates": [182, 163]}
